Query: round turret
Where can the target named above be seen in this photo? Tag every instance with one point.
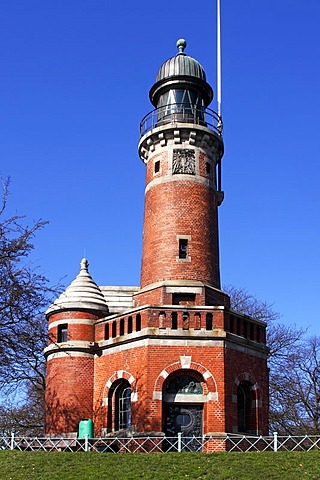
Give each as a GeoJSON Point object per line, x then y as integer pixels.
{"type": "Point", "coordinates": [71, 350]}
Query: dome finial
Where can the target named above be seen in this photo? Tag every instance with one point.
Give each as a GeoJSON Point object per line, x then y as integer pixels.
{"type": "Point", "coordinates": [181, 45]}
{"type": "Point", "coordinates": [84, 264]}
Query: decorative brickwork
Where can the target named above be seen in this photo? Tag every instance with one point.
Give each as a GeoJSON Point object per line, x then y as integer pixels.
{"type": "Point", "coordinates": [184, 161]}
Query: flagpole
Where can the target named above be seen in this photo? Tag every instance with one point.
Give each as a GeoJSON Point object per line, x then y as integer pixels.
{"type": "Point", "coordinates": [219, 126]}
{"type": "Point", "coordinates": [219, 57]}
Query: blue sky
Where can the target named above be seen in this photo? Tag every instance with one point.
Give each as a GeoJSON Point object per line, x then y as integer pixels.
{"type": "Point", "coordinates": [75, 77]}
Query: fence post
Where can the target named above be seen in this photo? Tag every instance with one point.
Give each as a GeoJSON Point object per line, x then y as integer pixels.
{"type": "Point", "coordinates": [275, 441]}
{"type": "Point", "coordinates": [86, 443]}
{"type": "Point", "coordinates": [12, 441]}
{"type": "Point", "coordinates": [179, 441]}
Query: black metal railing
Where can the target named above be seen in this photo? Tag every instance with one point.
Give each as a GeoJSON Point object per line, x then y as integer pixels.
{"type": "Point", "coordinates": [181, 113]}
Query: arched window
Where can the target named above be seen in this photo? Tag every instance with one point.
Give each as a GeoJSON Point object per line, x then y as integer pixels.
{"type": "Point", "coordinates": [119, 409]}
{"type": "Point", "coordinates": [184, 384]}
{"type": "Point", "coordinates": [245, 407]}
{"type": "Point", "coordinates": [124, 407]}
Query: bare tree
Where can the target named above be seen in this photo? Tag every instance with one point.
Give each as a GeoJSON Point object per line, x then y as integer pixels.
{"type": "Point", "coordinates": [24, 295]}
{"type": "Point", "coordinates": [244, 302]}
{"type": "Point", "coordinates": [297, 390]}
{"type": "Point", "coordinates": [281, 338]}
{"type": "Point", "coordinates": [285, 342]}
{"type": "Point", "coordinates": [24, 417]}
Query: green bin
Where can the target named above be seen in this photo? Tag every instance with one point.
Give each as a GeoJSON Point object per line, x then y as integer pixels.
{"type": "Point", "coordinates": [85, 428]}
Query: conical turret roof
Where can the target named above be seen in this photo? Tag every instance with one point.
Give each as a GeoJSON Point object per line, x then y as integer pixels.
{"type": "Point", "coordinates": [82, 294]}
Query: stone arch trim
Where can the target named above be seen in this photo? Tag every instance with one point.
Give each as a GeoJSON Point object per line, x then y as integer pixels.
{"type": "Point", "coordinates": [120, 374]}
{"type": "Point", "coordinates": [246, 377]}
{"type": "Point", "coordinates": [210, 386]}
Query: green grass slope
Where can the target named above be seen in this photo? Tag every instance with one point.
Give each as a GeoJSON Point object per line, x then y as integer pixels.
{"type": "Point", "coordinates": [94, 466]}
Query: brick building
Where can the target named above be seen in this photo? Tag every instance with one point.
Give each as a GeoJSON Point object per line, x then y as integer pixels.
{"type": "Point", "coordinates": [170, 355]}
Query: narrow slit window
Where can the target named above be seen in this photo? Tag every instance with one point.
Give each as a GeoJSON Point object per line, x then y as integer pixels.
{"type": "Point", "coordinates": [106, 331]}
{"type": "Point", "coordinates": [208, 168]}
{"type": "Point", "coordinates": [186, 321]}
{"type": "Point", "coordinates": [174, 321]}
{"type": "Point", "coordinates": [209, 321]}
{"type": "Point", "coordinates": [259, 334]}
{"type": "Point", "coordinates": [183, 248]}
{"type": "Point", "coordinates": [231, 324]}
{"type": "Point", "coordinates": [239, 323]}
{"type": "Point", "coordinates": [197, 321]}
{"type": "Point", "coordinates": [138, 322]}
{"type": "Point", "coordinates": [130, 324]}
{"type": "Point", "coordinates": [245, 329]}
{"type": "Point", "coordinates": [122, 326]}
{"type": "Point", "coordinates": [162, 320]}
{"type": "Point", "coordinates": [114, 329]}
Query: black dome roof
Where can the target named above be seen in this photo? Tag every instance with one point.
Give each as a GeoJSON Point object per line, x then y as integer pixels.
{"type": "Point", "coordinates": [181, 65]}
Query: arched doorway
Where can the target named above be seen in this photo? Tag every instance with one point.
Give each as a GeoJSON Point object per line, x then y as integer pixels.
{"type": "Point", "coordinates": [183, 408]}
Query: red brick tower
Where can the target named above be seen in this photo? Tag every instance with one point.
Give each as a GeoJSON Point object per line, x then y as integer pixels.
{"type": "Point", "coordinates": [170, 356]}
{"type": "Point", "coordinates": [182, 147]}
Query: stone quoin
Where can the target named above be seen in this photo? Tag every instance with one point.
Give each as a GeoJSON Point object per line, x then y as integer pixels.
{"type": "Point", "coordinates": [169, 356]}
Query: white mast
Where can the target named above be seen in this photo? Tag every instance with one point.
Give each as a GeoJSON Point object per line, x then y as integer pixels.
{"type": "Point", "coordinates": [219, 57]}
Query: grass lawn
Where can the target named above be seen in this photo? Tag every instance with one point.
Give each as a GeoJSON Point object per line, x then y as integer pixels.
{"type": "Point", "coordinates": [88, 466]}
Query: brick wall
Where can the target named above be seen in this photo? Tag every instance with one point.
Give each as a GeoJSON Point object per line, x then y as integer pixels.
{"type": "Point", "coordinates": [70, 368]}
{"type": "Point", "coordinates": [69, 392]}
{"type": "Point", "coordinates": [242, 367]}
{"type": "Point", "coordinates": [145, 365]}
{"type": "Point", "coordinates": [174, 209]}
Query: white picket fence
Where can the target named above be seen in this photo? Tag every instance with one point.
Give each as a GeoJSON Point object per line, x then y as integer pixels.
{"type": "Point", "coordinates": [152, 444]}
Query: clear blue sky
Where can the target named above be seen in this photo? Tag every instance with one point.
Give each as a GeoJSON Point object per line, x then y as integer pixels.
{"type": "Point", "coordinates": [74, 83]}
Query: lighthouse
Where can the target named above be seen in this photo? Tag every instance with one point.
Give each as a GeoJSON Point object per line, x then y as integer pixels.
{"type": "Point", "coordinates": [169, 356]}
{"type": "Point", "coordinates": [182, 148]}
